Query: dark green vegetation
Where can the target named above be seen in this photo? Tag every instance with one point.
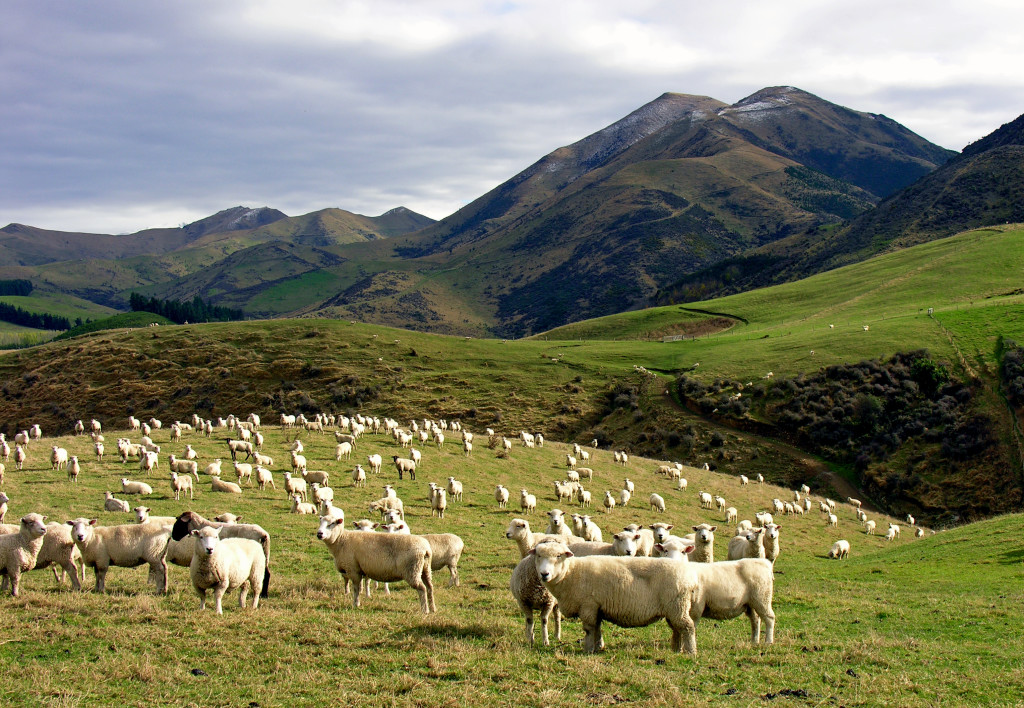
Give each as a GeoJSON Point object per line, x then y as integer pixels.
{"type": "Point", "coordinates": [931, 621]}
{"type": "Point", "coordinates": [44, 320]}
{"type": "Point", "coordinates": [196, 310]}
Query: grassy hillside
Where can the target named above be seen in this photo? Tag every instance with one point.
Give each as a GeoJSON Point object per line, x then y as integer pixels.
{"type": "Point", "coordinates": [927, 606]}
{"type": "Point", "coordinates": [125, 320]}
{"type": "Point", "coordinates": [61, 305]}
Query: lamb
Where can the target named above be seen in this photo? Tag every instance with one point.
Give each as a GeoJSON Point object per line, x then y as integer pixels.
{"type": "Point", "coordinates": [527, 501]}
{"type": "Point", "coordinates": [129, 487]}
{"type": "Point", "coordinates": [181, 483]}
{"type": "Point", "coordinates": [58, 550]}
{"type": "Point", "coordinates": [224, 565]}
{"type": "Point", "coordinates": [628, 592]}
{"type": "Point", "coordinates": [609, 502]}
{"type": "Point", "coordinates": [383, 557]}
{"type": "Point", "coordinates": [189, 521]}
{"type": "Point", "coordinates": [124, 545]}
{"type": "Point", "coordinates": [530, 594]}
{"type": "Point", "coordinates": [439, 502]}
{"type": "Point", "coordinates": [293, 485]}
{"type": "Point", "coordinates": [404, 465]}
{"type": "Point", "coordinates": [301, 507]}
{"type": "Point", "coordinates": [840, 549]}
{"type": "Point", "coordinates": [894, 529]}
{"type": "Point", "coordinates": [18, 551]}
{"type": "Point", "coordinates": [455, 489]}
{"type": "Point", "coordinates": [58, 458]}
{"type": "Point", "coordinates": [833, 520]}
{"type": "Point", "coordinates": [375, 463]}
{"type": "Point", "coordinates": [657, 502]}
{"type": "Point", "coordinates": [264, 477]}
{"type": "Point", "coordinates": [706, 501]}
{"type": "Point", "coordinates": [556, 525]}
{"type": "Point", "coordinates": [869, 527]}
{"type": "Point", "coordinates": [218, 485]}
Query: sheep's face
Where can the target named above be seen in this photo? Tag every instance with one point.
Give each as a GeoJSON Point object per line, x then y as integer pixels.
{"type": "Point", "coordinates": [327, 524]}
{"type": "Point", "coordinates": [141, 513]}
{"type": "Point", "coordinates": [550, 560]}
{"type": "Point", "coordinates": [625, 543]}
{"type": "Point", "coordinates": [772, 531]}
{"type": "Point", "coordinates": [516, 528]}
{"type": "Point", "coordinates": [81, 529]}
{"type": "Point", "coordinates": [661, 531]}
{"type": "Point", "coordinates": [704, 533]}
{"type": "Point", "coordinates": [33, 523]}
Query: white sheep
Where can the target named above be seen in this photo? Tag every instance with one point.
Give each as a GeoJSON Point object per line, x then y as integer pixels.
{"type": "Point", "coordinates": [919, 533]}
{"type": "Point", "coordinates": [225, 564]}
{"type": "Point", "coordinates": [840, 549]}
{"type": "Point", "coordinates": [4, 499]}
{"type": "Point", "coordinates": [730, 588]}
{"type": "Point", "coordinates": [527, 502]}
{"type": "Point", "coordinates": [657, 502]}
{"type": "Point", "coordinates": [609, 502]}
{"type": "Point", "coordinates": [557, 526]}
{"type": "Point", "coordinates": [148, 461]}
{"type": "Point", "coordinates": [20, 456]}
{"type": "Point", "coordinates": [112, 504]}
{"type": "Point", "coordinates": [731, 515]}
{"type": "Point", "coordinates": [385, 504]}
{"type": "Point", "coordinates": [18, 551]}
{"type": "Point", "coordinates": [744, 480]}
{"type": "Point", "coordinates": [591, 531]}
{"type": "Point", "coordinates": [704, 542]}
{"type": "Point", "coordinates": [243, 470]}
{"type": "Point", "coordinates": [439, 502]}
{"type": "Point", "coordinates": [218, 485]}
{"type": "Point", "coordinates": [445, 552]}
{"type": "Point", "coordinates": [301, 507]}
{"type": "Point", "coordinates": [404, 465]}
{"type": "Point", "coordinates": [530, 594]}
{"type": "Point", "coordinates": [628, 592]}
{"type": "Point", "coordinates": [294, 485]}
{"type": "Point", "coordinates": [58, 550]}
{"type": "Point", "coordinates": [375, 461]}
{"type": "Point", "coordinates": [383, 557]}
{"type": "Point", "coordinates": [645, 544]}
{"type": "Point", "coordinates": [747, 545]}
{"type": "Point", "coordinates": [628, 485]}
{"type": "Point", "coordinates": [358, 476]}
{"type": "Point", "coordinates": [123, 545]}
{"type": "Point", "coordinates": [894, 529]}
{"type": "Point", "coordinates": [130, 487]}
{"type": "Point", "coordinates": [184, 467]}
{"type": "Point", "coordinates": [681, 484]}
{"type": "Point", "coordinates": [869, 527]}
{"type": "Point", "coordinates": [624, 496]}
{"type": "Point", "coordinates": [911, 520]}
{"type": "Point", "coordinates": [189, 521]}
{"type": "Point", "coordinates": [264, 477]}
{"type": "Point", "coordinates": [706, 500]}
{"type": "Point", "coordinates": [58, 458]}
{"type": "Point", "coordinates": [519, 531]}
{"type": "Point", "coordinates": [501, 495]}
{"type": "Point", "coordinates": [74, 468]}
{"type": "Point", "coordinates": [833, 521]}
{"type": "Point", "coordinates": [853, 502]}
{"type": "Point", "coordinates": [455, 489]}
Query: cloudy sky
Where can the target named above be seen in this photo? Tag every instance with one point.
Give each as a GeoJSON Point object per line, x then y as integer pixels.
{"type": "Point", "coordinates": [122, 115]}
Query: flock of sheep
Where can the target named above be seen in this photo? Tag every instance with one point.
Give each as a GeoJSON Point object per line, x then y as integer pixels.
{"type": "Point", "coordinates": [641, 576]}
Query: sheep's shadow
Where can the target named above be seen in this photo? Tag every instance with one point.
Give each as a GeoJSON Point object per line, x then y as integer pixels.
{"type": "Point", "coordinates": [1012, 557]}
{"type": "Point", "coordinates": [448, 630]}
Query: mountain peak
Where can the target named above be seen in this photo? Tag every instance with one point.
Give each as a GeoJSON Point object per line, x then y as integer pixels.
{"type": "Point", "coordinates": [234, 219]}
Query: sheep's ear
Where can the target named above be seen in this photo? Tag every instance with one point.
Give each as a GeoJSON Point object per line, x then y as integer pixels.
{"type": "Point", "coordinates": [636, 537]}
{"type": "Point", "coordinates": [569, 554]}
{"type": "Point", "coordinates": [70, 523]}
{"type": "Point", "coordinates": [376, 526]}
{"type": "Point", "coordinates": [194, 532]}
{"type": "Point", "coordinates": [778, 526]}
{"type": "Point", "coordinates": [92, 522]}
{"type": "Point", "coordinates": [713, 528]}
{"type": "Point", "coordinates": [669, 527]}
{"type": "Point", "coordinates": [532, 551]}
{"type": "Point", "coordinates": [696, 528]}
{"type": "Point", "coordinates": [688, 549]}
{"type": "Point", "coordinates": [659, 547]}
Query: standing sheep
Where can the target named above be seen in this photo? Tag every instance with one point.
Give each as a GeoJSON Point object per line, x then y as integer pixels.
{"type": "Point", "coordinates": [223, 565]}
{"type": "Point", "coordinates": [181, 483]}
{"type": "Point", "coordinates": [657, 503]}
{"type": "Point", "coordinates": [501, 495]}
{"type": "Point", "coordinates": [840, 549]}
{"type": "Point", "coordinates": [18, 551]}
{"type": "Point", "coordinates": [628, 592]}
{"type": "Point", "coordinates": [527, 502]}
{"type": "Point", "coordinates": [530, 594]}
{"type": "Point", "coordinates": [124, 545]}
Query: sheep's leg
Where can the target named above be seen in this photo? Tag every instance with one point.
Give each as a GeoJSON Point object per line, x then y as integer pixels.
{"type": "Point", "coordinates": [528, 614]}
{"type": "Point", "coordinates": [218, 597]}
{"type": "Point", "coordinates": [101, 579]}
{"type": "Point", "coordinates": [558, 624]}
{"type": "Point", "coordinates": [358, 580]}
{"type": "Point", "coordinates": [72, 570]}
{"type": "Point", "coordinates": [160, 571]}
{"type": "Point", "coordinates": [201, 592]}
{"type": "Point", "coordinates": [15, 575]}
{"type": "Point", "coordinates": [429, 582]}
{"type": "Point", "coordinates": [243, 592]}
{"type": "Point", "coordinates": [454, 570]}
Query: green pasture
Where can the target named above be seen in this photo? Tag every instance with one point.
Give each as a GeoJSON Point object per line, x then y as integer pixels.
{"type": "Point", "coordinates": [916, 621]}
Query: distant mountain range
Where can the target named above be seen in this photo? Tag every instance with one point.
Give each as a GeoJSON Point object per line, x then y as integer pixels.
{"type": "Point", "coordinates": [684, 198]}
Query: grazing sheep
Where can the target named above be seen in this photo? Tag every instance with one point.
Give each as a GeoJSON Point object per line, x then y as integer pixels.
{"type": "Point", "coordinates": [587, 472]}
{"type": "Point", "coordinates": [181, 483]}
{"type": "Point", "coordinates": [383, 557]}
{"type": "Point", "coordinates": [527, 502]}
{"type": "Point", "coordinates": [530, 594]}
{"type": "Point", "coordinates": [301, 507]}
{"type": "Point", "coordinates": [657, 502]}
{"type": "Point", "coordinates": [445, 552]}
{"type": "Point", "coordinates": [853, 502]}
{"type": "Point", "coordinates": [225, 564]}
{"type": "Point", "coordinates": [869, 527]}
{"type": "Point", "coordinates": [455, 489]}
{"type": "Point", "coordinates": [112, 504]}
{"type": "Point", "coordinates": [218, 485]}
{"type": "Point", "coordinates": [123, 545]}
{"type": "Point", "coordinates": [628, 592]}
{"type": "Point", "coordinates": [385, 504]}
{"type": "Point", "coordinates": [129, 487]}
{"type": "Point", "coordinates": [189, 521]}
{"type": "Point", "coordinates": [840, 549]}
{"type": "Point", "coordinates": [316, 477]}
{"type": "Point", "coordinates": [18, 551]}
{"type": "Point", "coordinates": [184, 467]}
{"type": "Point", "coordinates": [894, 529]}
{"type": "Point", "coordinates": [833, 520]}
